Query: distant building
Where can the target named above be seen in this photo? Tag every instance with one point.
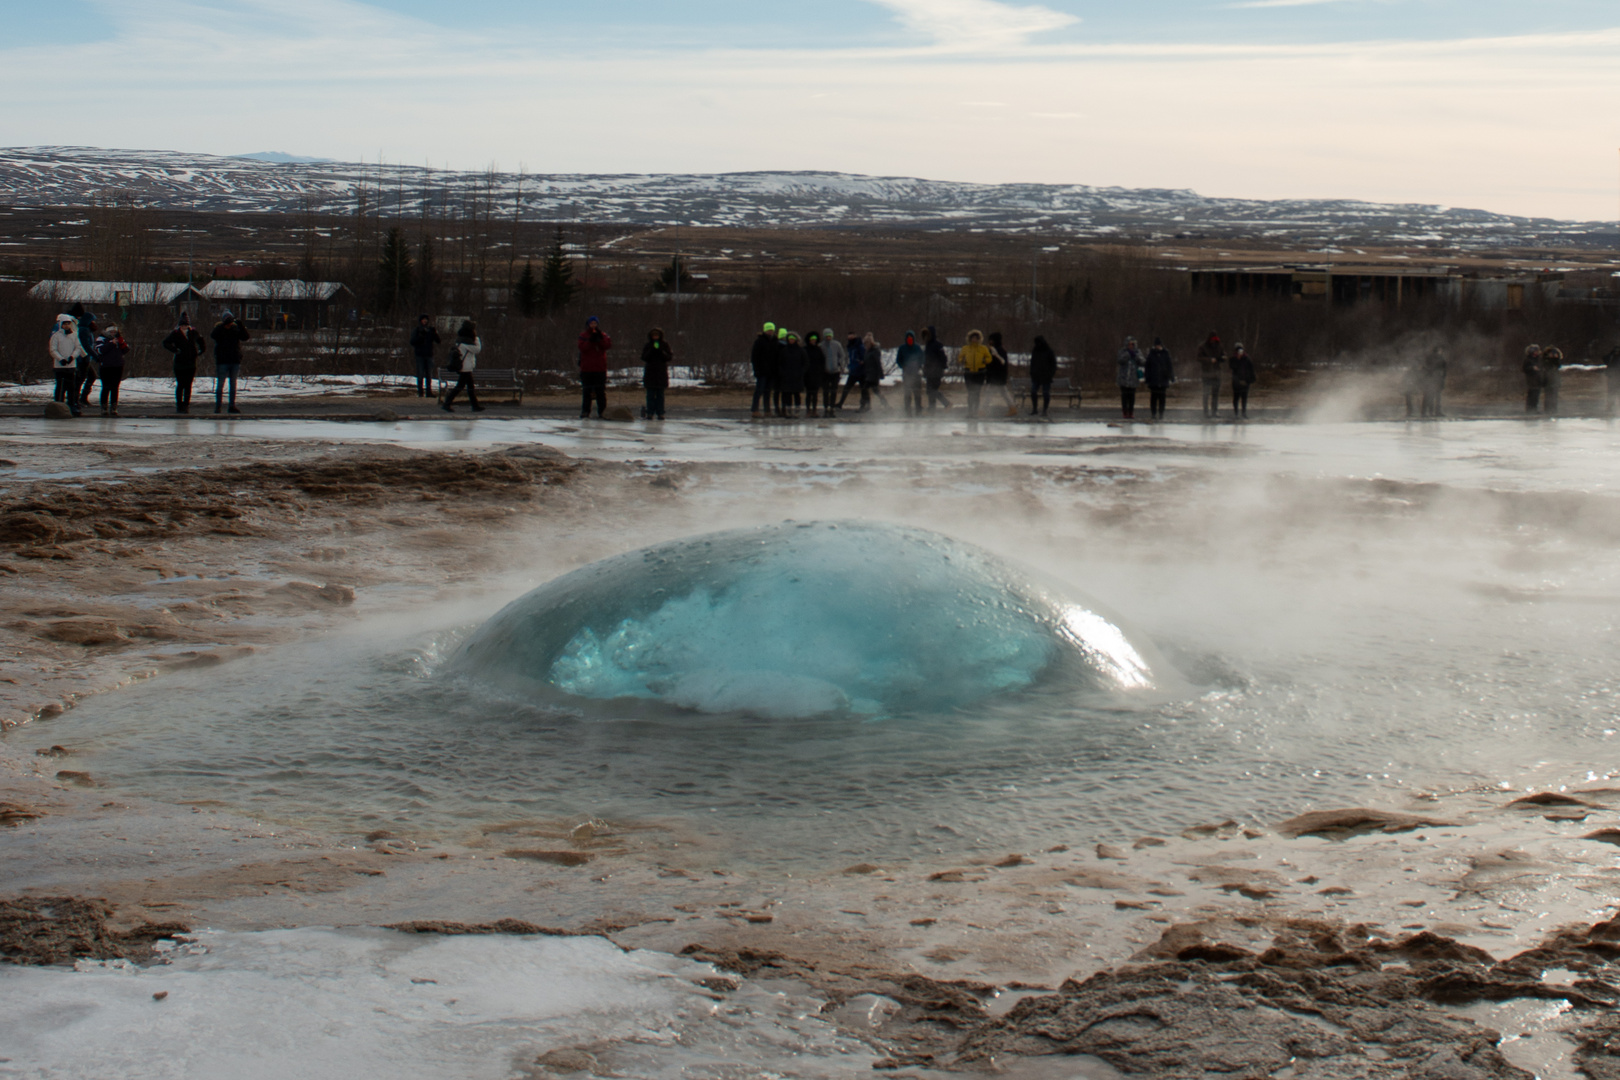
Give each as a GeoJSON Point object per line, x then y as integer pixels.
{"type": "Point", "coordinates": [1343, 284]}
{"type": "Point", "coordinates": [1391, 285]}
{"type": "Point", "coordinates": [286, 304]}
{"type": "Point", "coordinates": [112, 296]}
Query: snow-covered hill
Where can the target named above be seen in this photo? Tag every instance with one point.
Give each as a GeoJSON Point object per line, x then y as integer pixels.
{"type": "Point", "coordinates": [62, 175]}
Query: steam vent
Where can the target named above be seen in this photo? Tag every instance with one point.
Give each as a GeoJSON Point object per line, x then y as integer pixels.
{"type": "Point", "coordinates": [799, 620]}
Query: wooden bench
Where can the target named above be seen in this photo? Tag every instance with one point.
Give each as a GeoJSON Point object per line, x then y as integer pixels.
{"type": "Point", "coordinates": [1061, 388]}
{"type": "Point", "coordinates": [498, 380]}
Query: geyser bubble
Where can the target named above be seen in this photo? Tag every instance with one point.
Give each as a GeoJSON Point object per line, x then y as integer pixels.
{"type": "Point", "coordinates": [800, 620]}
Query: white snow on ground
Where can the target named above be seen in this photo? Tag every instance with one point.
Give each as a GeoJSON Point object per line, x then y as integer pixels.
{"type": "Point", "coordinates": [261, 387]}
{"type": "Point", "coordinates": [322, 1004]}
{"type": "Point", "coordinates": [274, 387]}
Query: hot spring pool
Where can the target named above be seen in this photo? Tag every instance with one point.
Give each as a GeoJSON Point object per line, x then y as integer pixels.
{"type": "Point", "coordinates": [1298, 641]}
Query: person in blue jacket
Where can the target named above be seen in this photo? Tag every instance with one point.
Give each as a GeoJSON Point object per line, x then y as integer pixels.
{"type": "Point", "coordinates": [909, 359]}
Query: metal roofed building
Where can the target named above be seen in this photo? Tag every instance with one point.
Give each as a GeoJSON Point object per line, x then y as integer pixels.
{"type": "Point", "coordinates": [283, 304]}
{"type": "Point", "coordinates": [122, 295]}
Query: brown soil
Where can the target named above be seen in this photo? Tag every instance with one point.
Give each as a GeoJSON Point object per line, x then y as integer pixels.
{"type": "Point", "coordinates": [62, 929]}
{"type": "Point", "coordinates": [136, 572]}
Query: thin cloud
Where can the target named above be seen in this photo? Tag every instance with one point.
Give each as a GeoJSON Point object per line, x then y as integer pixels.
{"type": "Point", "coordinates": [975, 25]}
{"type": "Point", "coordinates": [1284, 3]}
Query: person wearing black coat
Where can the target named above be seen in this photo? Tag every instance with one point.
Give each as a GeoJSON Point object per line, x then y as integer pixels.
{"type": "Point", "coordinates": [765, 358]}
{"type": "Point", "coordinates": [227, 337]}
{"type": "Point", "coordinates": [935, 361]}
{"type": "Point", "coordinates": [1242, 378]}
{"type": "Point", "coordinates": [871, 372]}
{"type": "Point", "coordinates": [855, 349]}
{"type": "Point", "coordinates": [423, 338]}
{"type": "Point", "coordinates": [655, 359]}
{"type": "Point", "coordinates": [794, 362]}
{"type": "Point", "coordinates": [815, 371]}
{"type": "Point", "coordinates": [1042, 370]}
{"type": "Point", "coordinates": [1161, 372]}
{"type": "Point", "coordinates": [188, 347]}
{"type": "Point", "coordinates": [995, 376]}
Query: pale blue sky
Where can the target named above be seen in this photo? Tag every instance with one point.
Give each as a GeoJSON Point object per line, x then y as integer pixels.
{"type": "Point", "coordinates": [1502, 104]}
{"type": "Point", "coordinates": [742, 23]}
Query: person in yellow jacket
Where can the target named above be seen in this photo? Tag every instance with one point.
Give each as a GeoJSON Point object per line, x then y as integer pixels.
{"type": "Point", "coordinates": [975, 358]}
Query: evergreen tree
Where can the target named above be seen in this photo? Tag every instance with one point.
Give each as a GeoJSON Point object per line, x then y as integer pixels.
{"type": "Point", "coordinates": [676, 270]}
{"type": "Point", "coordinates": [557, 285]}
{"type": "Point", "coordinates": [427, 276]}
{"type": "Point", "coordinates": [393, 272]}
{"type": "Point", "coordinates": [526, 293]}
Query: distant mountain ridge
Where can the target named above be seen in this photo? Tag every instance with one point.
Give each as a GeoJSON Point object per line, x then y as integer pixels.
{"type": "Point", "coordinates": [281, 157]}
{"type": "Point", "coordinates": [70, 176]}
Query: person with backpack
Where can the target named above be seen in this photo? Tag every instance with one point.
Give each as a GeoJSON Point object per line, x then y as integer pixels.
{"type": "Point", "coordinates": [593, 368]}
{"type": "Point", "coordinates": [188, 347]}
{"type": "Point", "coordinates": [836, 360]}
{"type": "Point", "coordinates": [228, 337]}
{"type": "Point", "coordinates": [423, 339]}
{"type": "Point", "coordinates": [1242, 378]}
{"type": "Point", "coordinates": [1128, 376]}
{"type": "Point", "coordinates": [1042, 373]}
{"type": "Point", "coordinates": [88, 367]}
{"type": "Point", "coordinates": [463, 360]}
{"type": "Point", "coordinates": [1159, 372]}
{"type": "Point", "coordinates": [65, 351]}
{"type": "Point", "coordinates": [935, 362]}
{"type": "Point", "coordinates": [1211, 357]}
{"type": "Point", "coordinates": [655, 360]}
{"type": "Point", "coordinates": [764, 358]}
{"type": "Point", "coordinates": [110, 350]}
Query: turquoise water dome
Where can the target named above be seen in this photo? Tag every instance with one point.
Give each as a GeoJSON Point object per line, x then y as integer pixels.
{"type": "Point", "coordinates": [799, 620]}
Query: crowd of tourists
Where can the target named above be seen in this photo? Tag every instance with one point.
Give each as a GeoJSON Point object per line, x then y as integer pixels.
{"type": "Point", "coordinates": [810, 375]}
{"type": "Point", "coordinates": [84, 352]}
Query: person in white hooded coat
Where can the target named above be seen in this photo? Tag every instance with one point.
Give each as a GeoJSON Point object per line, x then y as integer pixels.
{"type": "Point", "coordinates": [464, 354]}
{"type": "Point", "coordinates": [66, 352]}
{"type": "Point", "coordinates": [837, 358]}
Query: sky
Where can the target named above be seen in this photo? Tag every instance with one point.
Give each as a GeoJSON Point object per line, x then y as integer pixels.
{"type": "Point", "coordinates": [1491, 104]}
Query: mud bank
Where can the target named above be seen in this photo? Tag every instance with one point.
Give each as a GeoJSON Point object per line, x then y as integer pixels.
{"type": "Point", "coordinates": [123, 560]}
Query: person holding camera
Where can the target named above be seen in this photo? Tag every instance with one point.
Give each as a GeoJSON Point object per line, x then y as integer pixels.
{"type": "Point", "coordinates": [188, 347]}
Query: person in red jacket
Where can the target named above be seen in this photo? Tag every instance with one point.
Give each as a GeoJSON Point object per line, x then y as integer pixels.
{"type": "Point", "coordinates": [593, 348]}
